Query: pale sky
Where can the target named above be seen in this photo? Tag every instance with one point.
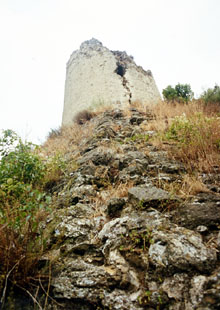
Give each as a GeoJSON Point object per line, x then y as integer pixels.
{"type": "Point", "coordinates": [178, 40]}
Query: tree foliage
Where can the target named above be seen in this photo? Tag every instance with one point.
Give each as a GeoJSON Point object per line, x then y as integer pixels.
{"type": "Point", "coordinates": [181, 93]}
{"type": "Point", "coordinates": [211, 95]}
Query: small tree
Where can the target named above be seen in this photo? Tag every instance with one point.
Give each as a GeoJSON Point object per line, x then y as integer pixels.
{"type": "Point", "coordinates": [211, 95]}
{"type": "Point", "coordinates": [169, 93]}
{"type": "Point", "coordinates": [181, 93]}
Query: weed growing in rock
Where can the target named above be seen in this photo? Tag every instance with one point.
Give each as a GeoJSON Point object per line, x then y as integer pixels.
{"type": "Point", "coordinates": [152, 298]}
{"type": "Point", "coordinates": [137, 241]}
{"type": "Point", "coordinates": [138, 138]}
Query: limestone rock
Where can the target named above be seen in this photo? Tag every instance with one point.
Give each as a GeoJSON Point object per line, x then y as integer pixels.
{"type": "Point", "coordinates": [204, 210]}
{"type": "Point", "coordinates": [181, 248]}
{"type": "Point", "coordinates": [144, 197]}
{"type": "Point", "coordinates": [175, 286]}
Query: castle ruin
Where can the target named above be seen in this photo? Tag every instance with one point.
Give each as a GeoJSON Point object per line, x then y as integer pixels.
{"type": "Point", "coordinates": [95, 75]}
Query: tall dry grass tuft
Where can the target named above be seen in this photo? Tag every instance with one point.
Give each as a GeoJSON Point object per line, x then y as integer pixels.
{"type": "Point", "coordinates": [193, 132]}
{"type": "Point", "coordinates": [68, 140]}
{"type": "Point", "coordinates": [83, 116]}
{"type": "Point", "coordinates": [192, 185]}
{"type": "Point", "coordinates": [164, 113]}
{"type": "Point", "coordinates": [197, 141]}
{"type": "Point", "coordinates": [20, 250]}
{"type": "Point", "coordinates": [112, 191]}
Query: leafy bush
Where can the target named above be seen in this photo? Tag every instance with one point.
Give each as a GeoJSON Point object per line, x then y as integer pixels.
{"type": "Point", "coordinates": [211, 95]}
{"type": "Point", "coordinates": [23, 205]}
{"type": "Point", "coordinates": [18, 162]}
{"type": "Point", "coordinates": [181, 93]}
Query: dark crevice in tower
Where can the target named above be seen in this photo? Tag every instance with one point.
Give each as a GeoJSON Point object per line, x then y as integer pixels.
{"type": "Point", "coordinates": [121, 70]}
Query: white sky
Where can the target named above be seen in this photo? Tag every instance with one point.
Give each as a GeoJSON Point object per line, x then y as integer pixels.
{"type": "Point", "coordinates": [178, 40]}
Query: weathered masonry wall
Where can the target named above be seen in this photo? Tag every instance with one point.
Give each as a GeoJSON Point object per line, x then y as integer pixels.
{"type": "Point", "coordinates": [95, 75]}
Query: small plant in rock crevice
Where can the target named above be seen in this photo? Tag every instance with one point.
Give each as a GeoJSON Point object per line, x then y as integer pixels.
{"type": "Point", "coordinates": [138, 138]}
{"type": "Point", "coordinates": [136, 241]}
{"type": "Point", "coordinates": [152, 298]}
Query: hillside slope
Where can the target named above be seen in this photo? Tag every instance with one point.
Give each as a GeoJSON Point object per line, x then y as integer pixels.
{"type": "Point", "coordinates": [122, 235]}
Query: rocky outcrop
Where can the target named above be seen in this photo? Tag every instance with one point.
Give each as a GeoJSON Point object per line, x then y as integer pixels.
{"type": "Point", "coordinates": [95, 75]}
{"type": "Point", "coordinates": [117, 240]}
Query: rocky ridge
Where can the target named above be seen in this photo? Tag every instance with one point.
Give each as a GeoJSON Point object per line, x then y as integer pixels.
{"type": "Point", "coordinates": [118, 240]}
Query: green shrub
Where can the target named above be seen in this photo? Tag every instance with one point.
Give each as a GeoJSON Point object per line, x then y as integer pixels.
{"type": "Point", "coordinates": [23, 206]}
{"type": "Point", "coordinates": [211, 95]}
{"type": "Point", "coordinates": [19, 163]}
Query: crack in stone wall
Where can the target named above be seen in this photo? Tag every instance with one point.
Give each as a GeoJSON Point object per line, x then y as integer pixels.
{"type": "Point", "coordinates": [125, 84]}
{"type": "Point", "coordinates": [121, 70]}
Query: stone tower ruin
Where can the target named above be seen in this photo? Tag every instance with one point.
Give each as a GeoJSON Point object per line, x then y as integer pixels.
{"type": "Point", "coordinates": [95, 75]}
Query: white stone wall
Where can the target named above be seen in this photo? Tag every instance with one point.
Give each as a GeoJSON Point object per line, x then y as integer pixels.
{"type": "Point", "coordinates": [91, 79]}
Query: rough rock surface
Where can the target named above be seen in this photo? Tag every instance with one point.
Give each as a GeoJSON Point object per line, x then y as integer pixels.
{"type": "Point", "coordinates": [96, 75]}
{"type": "Point", "coordinates": [119, 241]}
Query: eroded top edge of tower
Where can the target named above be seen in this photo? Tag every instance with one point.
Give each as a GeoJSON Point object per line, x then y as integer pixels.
{"type": "Point", "coordinates": [122, 58]}
{"type": "Point", "coordinates": [92, 42]}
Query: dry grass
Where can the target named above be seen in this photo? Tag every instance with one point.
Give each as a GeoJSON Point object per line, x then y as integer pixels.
{"type": "Point", "coordinates": [185, 187]}
{"type": "Point", "coordinates": [83, 116]}
{"type": "Point", "coordinates": [68, 140]}
{"type": "Point", "coordinates": [190, 132]}
{"type": "Point", "coordinates": [165, 112]}
{"type": "Point", "coordinates": [117, 191]}
{"type": "Point", "coordinates": [202, 151]}
{"type": "Point", "coordinates": [20, 251]}
{"type": "Point", "coordinates": [138, 105]}
{"type": "Point", "coordinates": [192, 185]}
{"type": "Point", "coordinates": [70, 137]}
{"type": "Point", "coordinates": [197, 142]}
